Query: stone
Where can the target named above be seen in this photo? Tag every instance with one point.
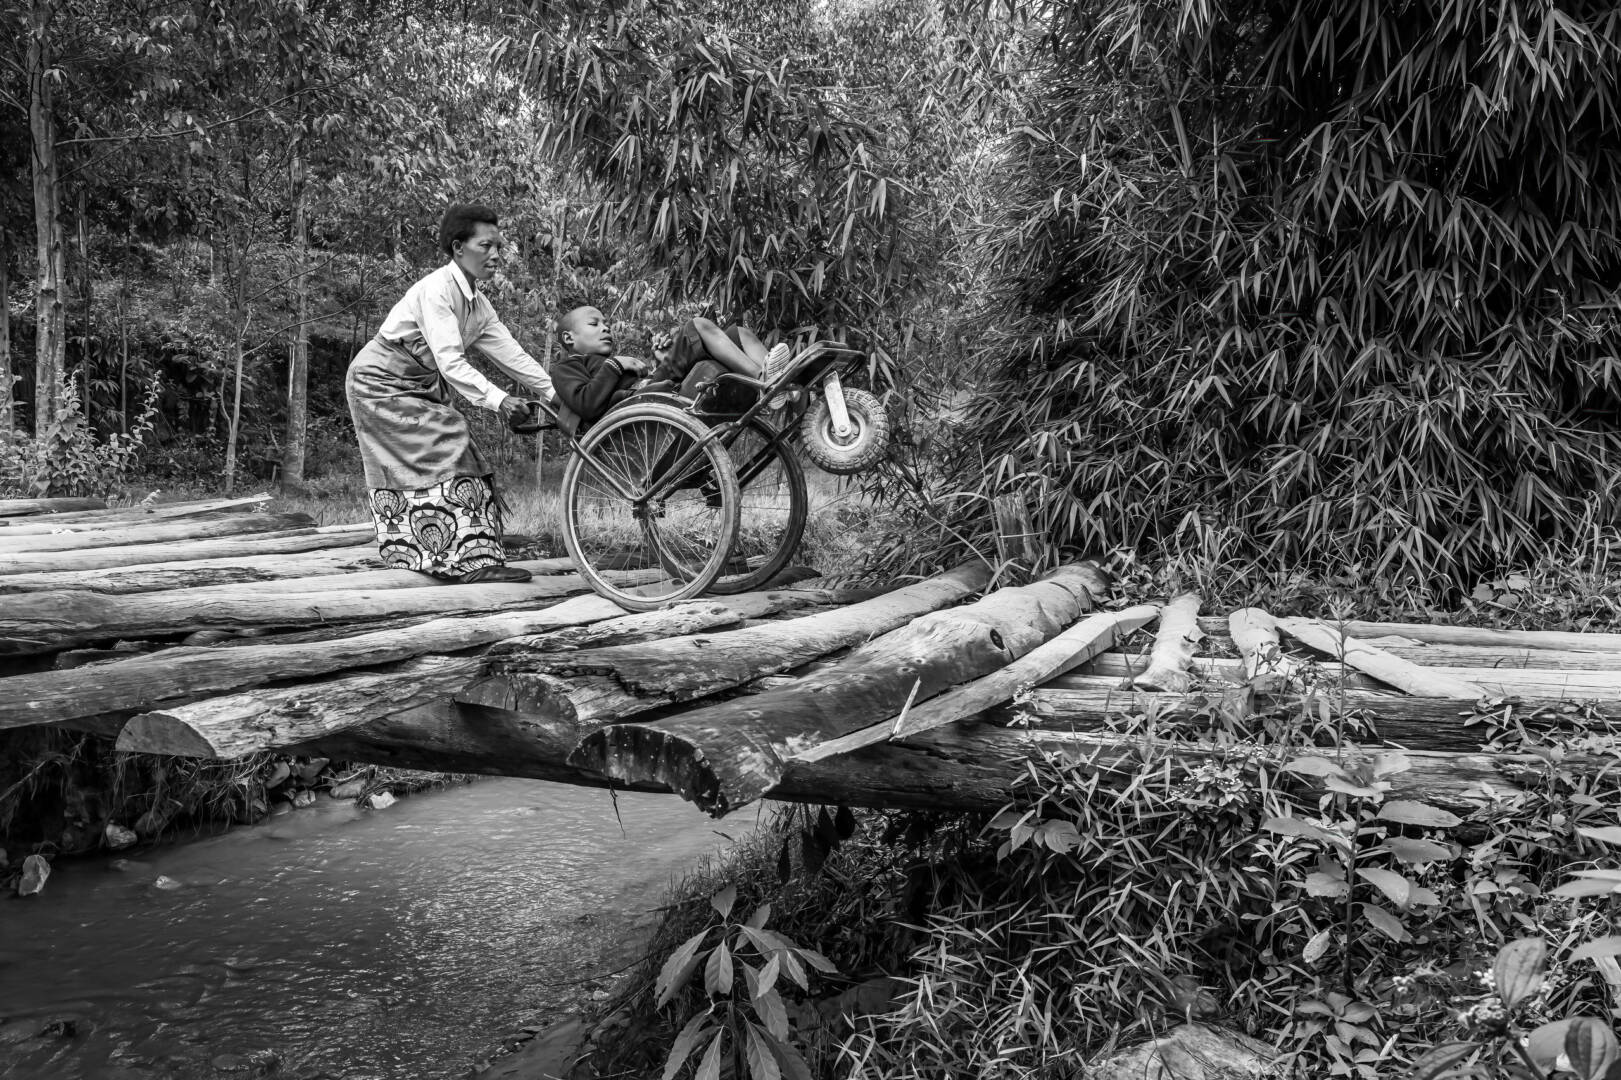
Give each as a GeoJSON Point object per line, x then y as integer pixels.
{"type": "Point", "coordinates": [155, 820]}
{"type": "Point", "coordinates": [231, 1063]}
{"type": "Point", "coordinates": [302, 799]}
{"type": "Point", "coordinates": [1192, 1052]}
{"type": "Point", "coordinates": [280, 808]}
{"type": "Point", "coordinates": [350, 789]}
{"type": "Point", "coordinates": [380, 800]}
{"type": "Point", "coordinates": [119, 837]}
{"type": "Point", "coordinates": [167, 883]}
{"type": "Point", "coordinates": [35, 872]}
{"type": "Point", "coordinates": [311, 770]}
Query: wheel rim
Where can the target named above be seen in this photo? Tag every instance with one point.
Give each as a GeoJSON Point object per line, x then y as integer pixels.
{"type": "Point", "coordinates": [772, 507]}
{"type": "Point", "coordinates": [644, 551]}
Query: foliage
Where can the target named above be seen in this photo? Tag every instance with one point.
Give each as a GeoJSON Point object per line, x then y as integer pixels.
{"type": "Point", "coordinates": [1335, 276]}
{"type": "Point", "coordinates": [748, 1030]}
{"type": "Point", "coordinates": [72, 461]}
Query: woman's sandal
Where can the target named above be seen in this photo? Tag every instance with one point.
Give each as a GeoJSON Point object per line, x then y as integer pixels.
{"type": "Point", "coordinates": [488, 574]}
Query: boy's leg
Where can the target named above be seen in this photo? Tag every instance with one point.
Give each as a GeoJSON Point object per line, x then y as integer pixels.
{"type": "Point", "coordinates": [730, 352]}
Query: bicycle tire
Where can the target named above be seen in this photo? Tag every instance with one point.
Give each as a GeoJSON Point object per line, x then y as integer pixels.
{"type": "Point", "coordinates": [773, 505]}
{"type": "Point", "coordinates": [672, 548]}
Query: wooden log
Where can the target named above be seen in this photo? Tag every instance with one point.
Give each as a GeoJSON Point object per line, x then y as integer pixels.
{"type": "Point", "coordinates": [45, 622]}
{"type": "Point", "coordinates": [1018, 554]}
{"type": "Point", "coordinates": [27, 507]}
{"type": "Point", "coordinates": [201, 573]}
{"type": "Point", "coordinates": [1496, 639]}
{"type": "Point", "coordinates": [582, 691]}
{"type": "Point", "coordinates": [963, 767]}
{"type": "Point", "coordinates": [142, 683]}
{"type": "Point", "coordinates": [1486, 658]}
{"type": "Point", "coordinates": [1173, 645]}
{"type": "Point", "coordinates": [1086, 639]}
{"type": "Point", "coordinates": [137, 554]}
{"type": "Point", "coordinates": [725, 755]}
{"type": "Point", "coordinates": [108, 519]}
{"type": "Point", "coordinates": [1402, 674]}
{"type": "Point", "coordinates": [251, 721]}
{"type": "Point", "coordinates": [1255, 633]}
{"type": "Point", "coordinates": [1420, 723]}
{"type": "Point", "coordinates": [157, 532]}
{"type": "Point", "coordinates": [237, 725]}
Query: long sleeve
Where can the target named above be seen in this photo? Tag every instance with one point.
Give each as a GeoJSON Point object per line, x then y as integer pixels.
{"type": "Point", "coordinates": [497, 343]}
{"type": "Point", "coordinates": [442, 333]}
{"type": "Point", "coordinates": [587, 388]}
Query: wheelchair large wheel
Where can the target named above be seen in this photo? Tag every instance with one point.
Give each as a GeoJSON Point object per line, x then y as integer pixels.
{"type": "Point", "coordinates": [772, 507]}
{"type": "Point", "coordinates": [645, 527]}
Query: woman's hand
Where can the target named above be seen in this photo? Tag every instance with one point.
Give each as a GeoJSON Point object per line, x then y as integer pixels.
{"type": "Point", "coordinates": [512, 408]}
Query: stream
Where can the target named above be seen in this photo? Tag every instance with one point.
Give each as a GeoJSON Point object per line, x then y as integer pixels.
{"type": "Point", "coordinates": [343, 944]}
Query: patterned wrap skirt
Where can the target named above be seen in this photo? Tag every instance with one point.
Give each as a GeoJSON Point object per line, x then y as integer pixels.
{"type": "Point", "coordinates": [432, 498]}
{"type": "Point", "coordinates": [445, 530]}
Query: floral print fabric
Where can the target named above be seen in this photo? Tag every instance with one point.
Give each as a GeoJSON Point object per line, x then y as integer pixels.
{"type": "Point", "coordinates": [445, 530]}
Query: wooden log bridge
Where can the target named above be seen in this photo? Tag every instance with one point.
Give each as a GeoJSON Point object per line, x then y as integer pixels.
{"type": "Point", "coordinates": [216, 630]}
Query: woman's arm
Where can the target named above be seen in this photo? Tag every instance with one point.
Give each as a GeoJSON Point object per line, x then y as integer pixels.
{"type": "Point", "coordinates": [442, 332]}
{"type": "Point", "coordinates": [497, 342]}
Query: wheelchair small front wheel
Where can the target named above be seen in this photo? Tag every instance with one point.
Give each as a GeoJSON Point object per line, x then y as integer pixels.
{"type": "Point", "coordinates": [860, 447]}
{"type": "Point", "coordinates": [650, 507]}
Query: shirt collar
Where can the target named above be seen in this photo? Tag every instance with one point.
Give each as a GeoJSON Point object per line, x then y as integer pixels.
{"type": "Point", "coordinates": [461, 280]}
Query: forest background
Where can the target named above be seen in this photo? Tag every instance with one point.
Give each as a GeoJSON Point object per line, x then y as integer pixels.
{"type": "Point", "coordinates": [1323, 280]}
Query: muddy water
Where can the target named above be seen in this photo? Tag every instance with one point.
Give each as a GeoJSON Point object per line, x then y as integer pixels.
{"type": "Point", "coordinates": [351, 945]}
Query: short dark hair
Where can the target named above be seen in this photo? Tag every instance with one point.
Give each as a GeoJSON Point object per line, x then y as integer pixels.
{"type": "Point", "coordinates": [461, 220]}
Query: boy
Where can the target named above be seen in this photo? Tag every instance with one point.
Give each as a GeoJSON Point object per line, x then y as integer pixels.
{"type": "Point", "coordinates": [590, 379]}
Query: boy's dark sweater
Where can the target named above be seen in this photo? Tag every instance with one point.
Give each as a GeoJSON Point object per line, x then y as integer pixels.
{"type": "Point", "coordinates": [590, 385]}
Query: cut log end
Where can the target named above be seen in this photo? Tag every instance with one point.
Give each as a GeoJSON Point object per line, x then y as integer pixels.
{"type": "Point", "coordinates": [160, 733]}
{"type": "Point", "coordinates": [639, 755]}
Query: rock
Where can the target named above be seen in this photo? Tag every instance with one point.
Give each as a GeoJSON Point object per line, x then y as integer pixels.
{"type": "Point", "coordinates": [35, 872]}
{"type": "Point", "coordinates": [61, 1028]}
{"type": "Point", "coordinates": [167, 883]}
{"type": "Point", "coordinates": [155, 820]}
{"type": "Point", "coordinates": [302, 799]}
{"type": "Point", "coordinates": [311, 770]}
{"type": "Point", "coordinates": [280, 808]}
{"type": "Point", "coordinates": [119, 837]}
{"type": "Point", "coordinates": [279, 772]}
{"type": "Point", "coordinates": [350, 789]}
{"type": "Point", "coordinates": [1192, 1052]}
{"type": "Point", "coordinates": [547, 1056]}
{"type": "Point", "coordinates": [380, 800]}
{"type": "Point", "coordinates": [231, 1063]}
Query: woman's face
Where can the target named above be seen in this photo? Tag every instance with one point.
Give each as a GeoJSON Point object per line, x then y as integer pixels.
{"type": "Point", "coordinates": [479, 255]}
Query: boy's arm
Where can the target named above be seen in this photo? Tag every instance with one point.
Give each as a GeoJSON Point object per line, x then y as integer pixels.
{"type": "Point", "coordinates": [585, 386]}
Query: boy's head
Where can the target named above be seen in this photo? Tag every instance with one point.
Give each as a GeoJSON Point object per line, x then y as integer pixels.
{"type": "Point", "coordinates": [584, 330]}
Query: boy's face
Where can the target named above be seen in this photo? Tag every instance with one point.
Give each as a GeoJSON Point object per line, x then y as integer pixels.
{"type": "Point", "coordinates": [585, 331]}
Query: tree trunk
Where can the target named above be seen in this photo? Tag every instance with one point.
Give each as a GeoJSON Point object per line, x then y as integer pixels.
{"type": "Point", "coordinates": [29, 562]}
{"type": "Point", "coordinates": [239, 324]}
{"type": "Point", "coordinates": [298, 361]}
{"type": "Point", "coordinates": [1173, 645]}
{"type": "Point", "coordinates": [8, 381]}
{"type": "Point", "coordinates": [48, 309]}
{"type": "Point", "coordinates": [1388, 668]}
{"type": "Point", "coordinates": [729, 754]}
{"type": "Point", "coordinates": [972, 767]}
{"type": "Point", "coordinates": [147, 682]}
{"type": "Point", "coordinates": [117, 519]}
{"type": "Point", "coordinates": [87, 299]}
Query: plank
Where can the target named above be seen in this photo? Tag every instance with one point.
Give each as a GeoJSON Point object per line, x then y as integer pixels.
{"type": "Point", "coordinates": [1481, 636]}
{"type": "Point", "coordinates": [1173, 645]}
{"type": "Point", "coordinates": [142, 683]}
{"type": "Point", "coordinates": [723, 756]}
{"type": "Point", "coordinates": [157, 532]}
{"type": "Point", "coordinates": [50, 621]}
{"type": "Point", "coordinates": [1075, 646]}
{"type": "Point", "coordinates": [106, 519]}
{"type": "Point", "coordinates": [581, 691]}
{"type": "Point", "coordinates": [1403, 674]}
{"type": "Point", "coordinates": [106, 558]}
{"type": "Point", "coordinates": [27, 507]}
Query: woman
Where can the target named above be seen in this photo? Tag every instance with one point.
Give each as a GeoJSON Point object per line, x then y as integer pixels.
{"type": "Point", "coordinates": [431, 493]}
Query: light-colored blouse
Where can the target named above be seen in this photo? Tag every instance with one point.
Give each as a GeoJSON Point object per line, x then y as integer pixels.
{"type": "Point", "coordinates": [442, 318]}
